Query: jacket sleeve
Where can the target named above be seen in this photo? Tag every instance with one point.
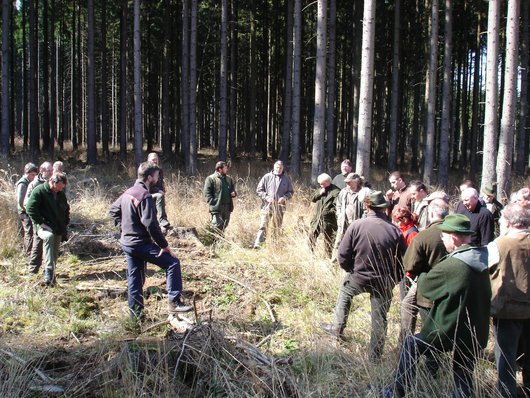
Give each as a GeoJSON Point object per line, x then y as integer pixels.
{"type": "Point", "coordinates": [149, 220]}
{"type": "Point", "coordinates": [20, 194]}
{"type": "Point", "coordinates": [208, 190]}
{"type": "Point", "coordinates": [487, 228]}
{"type": "Point", "coordinates": [345, 253]}
{"type": "Point", "coordinates": [316, 196]}
{"type": "Point", "coordinates": [115, 212]}
{"type": "Point", "coordinates": [290, 191]}
{"type": "Point", "coordinates": [432, 284]}
{"type": "Point", "coordinates": [414, 260]}
{"type": "Point", "coordinates": [261, 190]}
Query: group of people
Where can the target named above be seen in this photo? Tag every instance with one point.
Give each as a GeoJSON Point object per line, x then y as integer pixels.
{"type": "Point", "coordinates": [455, 270]}
{"type": "Point", "coordinates": [44, 213]}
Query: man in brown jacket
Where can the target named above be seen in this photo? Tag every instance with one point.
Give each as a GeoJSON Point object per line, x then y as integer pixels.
{"type": "Point", "coordinates": [509, 265]}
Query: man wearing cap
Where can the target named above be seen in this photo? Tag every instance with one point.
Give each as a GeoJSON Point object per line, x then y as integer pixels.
{"type": "Point", "coordinates": [50, 214]}
{"type": "Point", "coordinates": [219, 192]}
{"type": "Point", "coordinates": [370, 253]}
{"type": "Point", "coordinates": [481, 218]}
{"type": "Point", "coordinates": [274, 189]}
{"type": "Point", "coordinates": [324, 219]}
{"type": "Point", "coordinates": [509, 267]}
{"type": "Point", "coordinates": [489, 196]}
{"type": "Point", "coordinates": [349, 206]}
{"type": "Point", "coordinates": [340, 179]}
{"type": "Point", "coordinates": [458, 321]}
{"type": "Point", "coordinates": [30, 172]}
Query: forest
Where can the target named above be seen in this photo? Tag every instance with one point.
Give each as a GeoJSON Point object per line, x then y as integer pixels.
{"type": "Point", "coordinates": [430, 85]}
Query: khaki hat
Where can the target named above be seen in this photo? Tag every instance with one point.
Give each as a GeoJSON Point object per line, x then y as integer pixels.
{"type": "Point", "coordinates": [456, 223]}
{"type": "Point", "coordinates": [489, 190]}
{"type": "Point", "coordinates": [438, 195]}
{"type": "Point", "coordinates": [377, 200]}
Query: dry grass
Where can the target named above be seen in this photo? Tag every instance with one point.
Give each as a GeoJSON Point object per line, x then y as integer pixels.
{"type": "Point", "coordinates": [84, 339]}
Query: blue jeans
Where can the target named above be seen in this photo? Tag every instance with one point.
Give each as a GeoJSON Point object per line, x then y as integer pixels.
{"type": "Point", "coordinates": [137, 259]}
{"type": "Point", "coordinates": [415, 346]}
{"type": "Point", "coordinates": [509, 334]}
{"type": "Point", "coordinates": [380, 300]}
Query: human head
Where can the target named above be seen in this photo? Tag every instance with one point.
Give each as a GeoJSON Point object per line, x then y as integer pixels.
{"type": "Point", "coordinates": [469, 198]}
{"type": "Point", "coordinates": [148, 173]}
{"type": "Point", "coordinates": [438, 195]}
{"type": "Point", "coordinates": [402, 216]}
{"type": "Point", "coordinates": [58, 166]}
{"type": "Point", "coordinates": [346, 166]}
{"type": "Point", "coordinates": [396, 181]}
{"type": "Point", "coordinates": [522, 197]}
{"type": "Point", "coordinates": [376, 201]}
{"type": "Point", "coordinates": [514, 216]}
{"type": "Point", "coordinates": [30, 170]}
{"type": "Point", "coordinates": [438, 209]}
{"type": "Point", "coordinates": [466, 184]}
{"type": "Point", "coordinates": [153, 158]}
{"type": "Point", "coordinates": [324, 180]}
{"type": "Point", "coordinates": [46, 170]}
{"type": "Point", "coordinates": [456, 231]}
{"type": "Point", "coordinates": [354, 181]}
{"type": "Point", "coordinates": [489, 193]}
{"type": "Point", "coordinates": [418, 190]}
{"type": "Point", "coordinates": [221, 167]}
{"type": "Point", "coordinates": [57, 181]}
{"type": "Point", "coordinates": [278, 167]}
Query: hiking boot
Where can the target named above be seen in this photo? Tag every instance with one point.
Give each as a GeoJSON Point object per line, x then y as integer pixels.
{"type": "Point", "coordinates": [332, 330]}
{"type": "Point", "coordinates": [178, 306]}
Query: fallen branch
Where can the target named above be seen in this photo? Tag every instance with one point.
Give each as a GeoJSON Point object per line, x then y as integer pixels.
{"type": "Point", "coordinates": [38, 372]}
{"type": "Point", "coordinates": [269, 308]}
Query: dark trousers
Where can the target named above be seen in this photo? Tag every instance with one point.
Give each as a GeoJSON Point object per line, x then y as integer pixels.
{"type": "Point", "coordinates": [509, 334]}
{"type": "Point", "coordinates": [380, 300]}
{"type": "Point", "coordinates": [35, 256]}
{"type": "Point", "coordinates": [328, 230]}
{"type": "Point", "coordinates": [27, 231]}
{"type": "Point", "coordinates": [137, 259]}
{"type": "Point", "coordinates": [415, 346]}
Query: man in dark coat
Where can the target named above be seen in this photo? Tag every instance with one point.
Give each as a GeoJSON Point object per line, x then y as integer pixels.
{"type": "Point", "coordinates": [134, 213]}
{"type": "Point", "coordinates": [370, 253]}
{"type": "Point", "coordinates": [158, 192]}
{"type": "Point", "coordinates": [481, 218]}
{"type": "Point", "coordinates": [219, 191]}
{"type": "Point", "coordinates": [458, 321]}
{"type": "Point", "coordinates": [324, 219]}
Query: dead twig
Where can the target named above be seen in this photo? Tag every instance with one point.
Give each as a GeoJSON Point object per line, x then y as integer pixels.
{"type": "Point", "coordinates": [38, 372]}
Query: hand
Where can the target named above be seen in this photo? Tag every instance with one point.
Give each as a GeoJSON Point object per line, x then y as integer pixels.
{"type": "Point", "coordinates": [167, 250]}
{"type": "Point", "coordinates": [281, 200]}
{"type": "Point", "coordinates": [322, 191]}
{"type": "Point", "coordinates": [233, 194]}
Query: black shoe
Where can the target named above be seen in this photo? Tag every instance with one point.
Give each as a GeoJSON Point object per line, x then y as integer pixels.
{"type": "Point", "coordinates": [332, 330]}
{"type": "Point", "coordinates": [178, 306]}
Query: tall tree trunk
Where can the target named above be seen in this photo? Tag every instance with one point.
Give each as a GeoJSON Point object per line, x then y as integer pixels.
{"type": "Point", "coordinates": [104, 84]}
{"type": "Point", "coordinates": [396, 94]}
{"type": "Point", "coordinates": [138, 134]}
{"type": "Point", "coordinates": [192, 164]}
{"type": "Point", "coordinates": [331, 71]}
{"type": "Point", "coordinates": [251, 147]}
{"type": "Point", "coordinates": [223, 81]}
{"type": "Point", "coordinates": [319, 121]}
{"type": "Point", "coordinates": [445, 128]}
{"type": "Point", "coordinates": [5, 133]}
{"type": "Point", "coordinates": [297, 81]}
{"type": "Point", "coordinates": [288, 88]}
{"type": "Point", "coordinates": [492, 99]}
{"type": "Point", "coordinates": [123, 80]}
{"type": "Point", "coordinates": [54, 51]}
{"type": "Point", "coordinates": [45, 86]}
{"type": "Point", "coordinates": [167, 28]}
{"type": "Point", "coordinates": [24, 123]}
{"type": "Point", "coordinates": [364, 143]}
{"type": "Point", "coordinates": [504, 160]}
{"type": "Point", "coordinates": [522, 133]}
{"type": "Point", "coordinates": [185, 85]}
{"type": "Point", "coordinates": [33, 89]}
{"type": "Point", "coordinates": [91, 106]}
{"type": "Point", "coordinates": [430, 94]}
{"type": "Point", "coordinates": [232, 142]}
{"type": "Point", "coordinates": [473, 137]}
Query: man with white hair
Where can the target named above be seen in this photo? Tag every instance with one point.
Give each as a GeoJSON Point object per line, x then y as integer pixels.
{"type": "Point", "coordinates": [480, 217]}
{"type": "Point", "coordinates": [522, 197]}
{"type": "Point", "coordinates": [324, 219]}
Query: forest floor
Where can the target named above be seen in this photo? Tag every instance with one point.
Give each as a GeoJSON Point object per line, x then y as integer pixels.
{"type": "Point", "coordinates": [255, 325]}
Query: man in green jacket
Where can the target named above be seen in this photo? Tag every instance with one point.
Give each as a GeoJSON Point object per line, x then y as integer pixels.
{"type": "Point", "coordinates": [50, 213]}
{"type": "Point", "coordinates": [219, 191]}
{"type": "Point", "coordinates": [458, 321]}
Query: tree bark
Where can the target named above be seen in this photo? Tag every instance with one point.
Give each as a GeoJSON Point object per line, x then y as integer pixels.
{"type": "Point", "coordinates": [185, 84]}
{"type": "Point", "coordinates": [522, 132]}
{"type": "Point", "coordinates": [394, 99]}
{"type": "Point", "coordinates": [362, 165]}
{"type": "Point", "coordinates": [5, 133]}
{"type": "Point", "coordinates": [34, 136]}
{"type": "Point", "coordinates": [504, 161]}
{"type": "Point", "coordinates": [192, 163]}
{"type": "Point", "coordinates": [319, 121]}
{"type": "Point", "coordinates": [331, 72]}
{"type": "Point", "coordinates": [297, 81]}
{"type": "Point", "coordinates": [45, 86]}
{"type": "Point", "coordinates": [138, 133]}
{"type": "Point", "coordinates": [492, 99]}
{"type": "Point", "coordinates": [91, 109]}
{"type": "Point", "coordinates": [104, 84]}
{"type": "Point", "coordinates": [123, 80]}
{"type": "Point", "coordinates": [288, 86]}
{"type": "Point", "coordinates": [223, 81]}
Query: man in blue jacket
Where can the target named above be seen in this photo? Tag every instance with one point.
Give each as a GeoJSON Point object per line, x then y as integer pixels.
{"type": "Point", "coordinates": [142, 241]}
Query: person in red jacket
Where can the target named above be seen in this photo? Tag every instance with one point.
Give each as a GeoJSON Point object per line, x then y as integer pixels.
{"type": "Point", "coordinates": [405, 220]}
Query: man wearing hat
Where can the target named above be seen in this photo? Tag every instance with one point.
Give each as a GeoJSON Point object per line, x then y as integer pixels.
{"type": "Point", "coordinates": [489, 196]}
{"type": "Point", "coordinates": [458, 321]}
{"type": "Point", "coordinates": [350, 206]}
{"type": "Point", "coordinates": [370, 253]}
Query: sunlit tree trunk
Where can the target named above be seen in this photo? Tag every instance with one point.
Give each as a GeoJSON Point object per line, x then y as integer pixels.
{"type": "Point", "coordinates": [232, 141]}
{"type": "Point", "coordinates": [504, 161]}
{"type": "Point", "coordinates": [297, 81]}
{"type": "Point", "coordinates": [137, 71]}
{"type": "Point", "coordinates": [521, 145]}
{"type": "Point", "coordinates": [492, 98]}
{"type": "Point", "coordinates": [223, 83]}
{"type": "Point", "coordinates": [91, 109]}
{"type": "Point", "coordinates": [447, 92]}
{"type": "Point", "coordinates": [105, 128]}
{"type": "Point", "coordinates": [192, 163]}
{"type": "Point", "coordinates": [185, 82]}
{"type": "Point", "coordinates": [364, 142]}
{"type": "Point", "coordinates": [319, 122]}
{"type": "Point", "coordinates": [33, 89]}
{"type": "Point", "coordinates": [45, 79]}
{"type": "Point", "coordinates": [123, 80]}
{"type": "Point", "coordinates": [331, 71]}
{"type": "Point", "coordinates": [288, 89]}
{"type": "Point", "coordinates": [394, 99]}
